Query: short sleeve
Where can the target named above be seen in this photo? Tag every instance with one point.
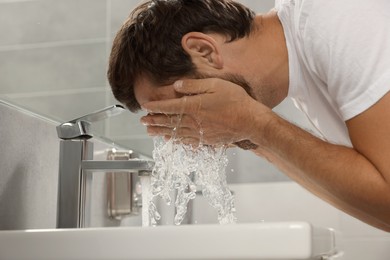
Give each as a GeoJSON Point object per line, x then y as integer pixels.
{"type": "Point", "coordinates": [347, 45]}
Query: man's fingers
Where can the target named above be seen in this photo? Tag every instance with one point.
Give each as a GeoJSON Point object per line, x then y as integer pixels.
{"type": "Point", "coordinates": [160, 120]}
{"type": "Point", "coordinates": [169, 120]}
{"type": "Point", "coordinates": [182, 132]}
{"type": "Point", "coordinates": [194, 142]}
{"type": "Point", "coordinates": [183, 105]}
{"type": "Point", "coordinates": [193, 90]}
{"type": "Point", "coordinates": [168, 106]}
{"type": "Point", "coordinates": [194, 86]}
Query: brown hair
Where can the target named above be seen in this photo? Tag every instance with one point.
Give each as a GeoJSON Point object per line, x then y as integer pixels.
{"type": "Point", "coordinates": [149, 42]}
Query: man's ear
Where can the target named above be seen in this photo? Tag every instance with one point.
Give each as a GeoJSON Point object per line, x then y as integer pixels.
{"type": "Point", "coordinates": [203, 49]}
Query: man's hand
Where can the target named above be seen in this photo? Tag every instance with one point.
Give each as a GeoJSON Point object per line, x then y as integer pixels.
{"type": "Point", "coordinates": [213, 111]}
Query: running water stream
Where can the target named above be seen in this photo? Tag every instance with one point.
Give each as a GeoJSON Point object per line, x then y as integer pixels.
{"type": "Point", "coordinates": [184, 169]}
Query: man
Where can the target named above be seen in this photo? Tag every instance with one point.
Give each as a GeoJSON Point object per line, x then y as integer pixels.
{"type": "Point", "coordinates": [213, 70]}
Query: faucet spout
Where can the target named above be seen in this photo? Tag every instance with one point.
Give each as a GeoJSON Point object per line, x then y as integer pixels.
{"type": "Point", "coordinates": [79, 128]}
{"type": "Point", "coordinates": [76, 165]}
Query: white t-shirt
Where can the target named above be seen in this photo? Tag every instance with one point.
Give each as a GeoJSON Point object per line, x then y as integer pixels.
{"type": "Point", "coordinates": [339, 59]}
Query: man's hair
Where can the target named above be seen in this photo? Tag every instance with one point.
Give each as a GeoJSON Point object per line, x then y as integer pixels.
{"type": "Point", "coordinates": [149, 42]}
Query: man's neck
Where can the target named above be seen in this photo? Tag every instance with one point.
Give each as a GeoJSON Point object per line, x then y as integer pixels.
{"type": "Point", "coordinates": [267, 58]}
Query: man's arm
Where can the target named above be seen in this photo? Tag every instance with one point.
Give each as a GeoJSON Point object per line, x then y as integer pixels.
{"type": "Point", "coordinates": [340, 175]}
{"type": "Point", "coordinates": [356, 180]}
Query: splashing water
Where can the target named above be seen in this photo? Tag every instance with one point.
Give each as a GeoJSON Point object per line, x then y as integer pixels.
{"type": "Point", "coordinates": [182, 168]}
{"type": "Point", "coordinates": [145, 182]}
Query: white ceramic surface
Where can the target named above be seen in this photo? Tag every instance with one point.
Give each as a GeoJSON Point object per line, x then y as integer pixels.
{"type": "Point", "coordinates": [274, 240]}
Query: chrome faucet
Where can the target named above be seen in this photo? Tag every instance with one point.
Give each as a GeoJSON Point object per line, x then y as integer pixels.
{"type": "Point", "coordinates": [77, 164]}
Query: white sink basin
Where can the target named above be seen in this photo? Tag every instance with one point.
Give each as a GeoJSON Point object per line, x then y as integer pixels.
{"type": "Point", "coordinates": [278, 240]}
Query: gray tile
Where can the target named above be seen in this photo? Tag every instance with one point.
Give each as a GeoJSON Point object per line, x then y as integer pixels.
{"type": "Point", "coordinates": [246, 167]}
{"type": "Point", "coordinates": [127, 124]}
{"type": "Point", "coordinates": [64, 107]}
{"type": "Point", "coordinates": [127, 130]}
{"type": "Point", "coordinates": [262, 6]}
{"type": "Point", "coordinates": [55, 68]}
{"type": "Point", "coordinates": [143, 146]}
{"type": "Point", "coordinates": [28, 174]}
{"type": "Point", "coordinates": [120, 10]}
{"type": "Point", "coordinates": [26, 22]}
{"type": "Point", "coordinates": [366, 248]}
{"type": "Point", "coordinates": [354, 228]}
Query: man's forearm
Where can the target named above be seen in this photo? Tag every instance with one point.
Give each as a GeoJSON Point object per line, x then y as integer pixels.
{"type": "Point", "coordinates": [338, 174]}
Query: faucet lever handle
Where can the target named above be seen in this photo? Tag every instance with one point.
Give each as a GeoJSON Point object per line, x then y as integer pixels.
{"type": "Point", "coordinates": [79, 128]}
{"type": "Point", "coordinates": [100, 114]}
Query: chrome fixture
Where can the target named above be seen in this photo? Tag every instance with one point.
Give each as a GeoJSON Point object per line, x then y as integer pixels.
{"type": "Point", "coordinates": [124, 191]}
{"type": "Point", "coordinates": [77, 164]}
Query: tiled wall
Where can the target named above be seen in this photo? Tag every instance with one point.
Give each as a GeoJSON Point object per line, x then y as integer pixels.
{"type": "Point", "coordinates": [28, 171]}
{"type": "Point", "coordinates": [53, 58]}
{"type": "Point", "coordinates": [53, 61]}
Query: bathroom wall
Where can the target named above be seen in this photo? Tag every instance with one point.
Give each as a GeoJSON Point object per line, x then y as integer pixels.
{"type": "Point", "coordinates": [28, 170]}
{"type": "Point", "coordinates": [53, 61]}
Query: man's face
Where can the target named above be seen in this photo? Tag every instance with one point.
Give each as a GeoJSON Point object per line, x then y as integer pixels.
{"type": "Point", "coordinates": [145, 90]}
